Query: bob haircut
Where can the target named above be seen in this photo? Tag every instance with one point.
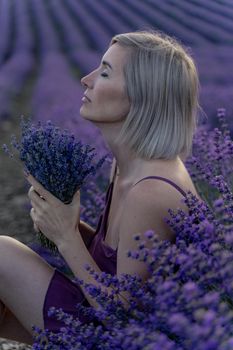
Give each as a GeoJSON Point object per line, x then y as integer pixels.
{"type": "Point", "coordinates": [163, 87]}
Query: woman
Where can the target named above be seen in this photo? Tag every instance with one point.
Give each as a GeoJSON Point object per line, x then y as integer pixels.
{"type": "Point", "coordinates": [144, 99]}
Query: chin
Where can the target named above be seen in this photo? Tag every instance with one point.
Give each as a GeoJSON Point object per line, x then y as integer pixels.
{"type": "Point", "coordinates": [88, 117]}
{"type": "Point", "coordinates": [83, 114]}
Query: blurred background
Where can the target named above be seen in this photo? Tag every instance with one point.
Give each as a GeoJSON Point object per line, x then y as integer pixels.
{"type": "Point", "coordinates": [46, 46]}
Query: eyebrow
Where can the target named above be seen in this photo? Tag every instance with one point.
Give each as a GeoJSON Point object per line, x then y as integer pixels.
{"type": "Point", "coordinates": [105, 63]}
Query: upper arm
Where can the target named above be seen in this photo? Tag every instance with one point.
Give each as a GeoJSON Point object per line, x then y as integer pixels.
{"type": "Point", "coordinates": [144, 209]}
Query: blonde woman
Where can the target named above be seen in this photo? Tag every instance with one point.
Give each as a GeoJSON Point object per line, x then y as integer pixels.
{"type": "Point", "coordinates": [144, 98]}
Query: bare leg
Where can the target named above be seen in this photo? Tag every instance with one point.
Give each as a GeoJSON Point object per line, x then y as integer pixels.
{"type": "Point", "coordinates": [12, 329]}
{"type": "Point", "coordinates": [24, 280]}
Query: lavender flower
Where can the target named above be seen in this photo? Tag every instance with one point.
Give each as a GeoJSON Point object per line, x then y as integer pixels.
{"type": "Point", "coordinates": [59, 162]}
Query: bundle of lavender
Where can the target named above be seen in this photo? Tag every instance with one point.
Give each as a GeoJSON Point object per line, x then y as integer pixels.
{"type": "Point", "coordinates": [59, 162]}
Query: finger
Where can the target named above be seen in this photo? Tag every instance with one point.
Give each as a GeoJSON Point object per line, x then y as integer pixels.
{"type": "Point", "coordinates": [35, 200]}
{"type": "Point", "coordinates": [33, 194]}
{"type": "Point", "coordinates": [76, 197]}
{"type": "Point", "coordinates": [42, 192]}
{"type": "Point", "coordinates": [32, 214]}
{"type": "Point", "coordinates": [37, 187]}
{"type": "Point", "coordinates": [34, 217]}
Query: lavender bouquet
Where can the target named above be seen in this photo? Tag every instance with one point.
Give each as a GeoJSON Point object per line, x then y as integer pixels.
{"type": "Point", "coordinates": [59, 162]}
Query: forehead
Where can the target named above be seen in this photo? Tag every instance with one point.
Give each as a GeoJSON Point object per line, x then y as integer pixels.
{"type": "Point", "coordinates": [116, 55]}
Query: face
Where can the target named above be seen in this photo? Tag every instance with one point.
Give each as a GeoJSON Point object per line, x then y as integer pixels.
{"type": "Point", "coordinates": [106, 100]}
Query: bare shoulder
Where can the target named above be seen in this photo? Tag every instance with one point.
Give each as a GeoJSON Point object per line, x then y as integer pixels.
{"type": "Point", "coordinates": [145, 208]}
{"type": "Point", "coordinates": [147, 203]}
{"type": "Point", "coordinates": [157, 193]}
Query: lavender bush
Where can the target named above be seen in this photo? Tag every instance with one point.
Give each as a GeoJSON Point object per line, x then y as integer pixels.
{"type": "Point", "coordinates": [186, 303]}
{"type": "Point", "coordinates": [211, 163]}
{"type": "Point", "coordinates": [59, 162]}
{"type": "Point", "coordinates": [13, 75]}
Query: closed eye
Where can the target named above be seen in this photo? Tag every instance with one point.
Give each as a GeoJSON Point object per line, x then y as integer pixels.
{"type": "Point", "coordinates": [104, 75]}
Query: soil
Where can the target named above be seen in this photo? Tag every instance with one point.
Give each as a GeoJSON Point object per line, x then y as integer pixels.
{"type": "Point", "coordinates": [15, 220]}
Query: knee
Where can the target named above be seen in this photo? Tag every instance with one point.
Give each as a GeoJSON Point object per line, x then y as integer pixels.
{"type": "Point", "coordinates": [6, 243]}
{"type": "Point", "coordinates": [9, 251]}
{"type": "Point", "coordinates": [5, 238]}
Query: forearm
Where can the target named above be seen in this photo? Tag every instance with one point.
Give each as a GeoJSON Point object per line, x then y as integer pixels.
{"type": "Point", "coordinates": [87, 232]}
{"type": "Point", "coordinates": [77, 256]}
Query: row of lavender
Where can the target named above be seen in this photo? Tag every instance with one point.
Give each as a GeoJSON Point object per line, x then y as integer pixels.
{"type": "Point", "coordinates": [81, 30]}
{"type": "Point", "coordinates": [56, 94]}
{"type": "Point", "coordinates": [195, 23]}
{"type": "Point", "coordinates": [216, 83]}
{"type": "Point", "coordinates": [17, 59]}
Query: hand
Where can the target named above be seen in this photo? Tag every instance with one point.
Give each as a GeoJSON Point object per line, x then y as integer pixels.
{"type": "Point", "coordinates": [57, 221]}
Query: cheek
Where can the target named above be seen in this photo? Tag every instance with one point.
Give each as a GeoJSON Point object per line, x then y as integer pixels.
{"type": "Point", "coordinates": [105, 95]}
{"type": "Point", "coordinates": [113, 99]}
{"type": "Point", "coordinates": [124, 106]}
{"type": "Point", "coordinates": [118, 108]}
{"type": "Point", "coordinates": [107, 91]}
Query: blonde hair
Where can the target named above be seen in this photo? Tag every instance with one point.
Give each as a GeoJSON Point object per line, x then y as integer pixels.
{"type": "Point", "coordinates": [163, 86]}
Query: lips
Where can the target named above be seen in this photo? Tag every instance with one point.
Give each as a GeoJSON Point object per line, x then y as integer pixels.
{"type": "Point", "coordinates": [87, 97]}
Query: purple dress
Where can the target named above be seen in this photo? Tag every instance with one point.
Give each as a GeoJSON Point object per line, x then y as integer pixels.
{"type": "Point", "coordinates": [63, 292]}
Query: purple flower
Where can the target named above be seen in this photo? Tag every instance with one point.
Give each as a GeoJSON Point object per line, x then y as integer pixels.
{"type": "Point", "coordinates": [58, 161]}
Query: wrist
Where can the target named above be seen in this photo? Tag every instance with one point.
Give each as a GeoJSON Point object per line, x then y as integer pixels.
{"type": "Point", "coordinates": [71, 240]}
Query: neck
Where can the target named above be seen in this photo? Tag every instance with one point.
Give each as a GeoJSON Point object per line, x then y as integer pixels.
{"type": "Point", "coordinates": [130, 167]}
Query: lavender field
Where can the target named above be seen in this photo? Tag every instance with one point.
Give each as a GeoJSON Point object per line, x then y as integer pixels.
{"type": "Point", "coordinates": [46, 46]}
{"type": "Point", "coordinates": [54, 43]}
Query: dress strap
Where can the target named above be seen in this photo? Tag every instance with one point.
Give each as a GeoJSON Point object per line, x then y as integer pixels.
{"type": "Point", "coordinates": [166, 180]}
{"type": "Point", "coordinates": [113, 172]}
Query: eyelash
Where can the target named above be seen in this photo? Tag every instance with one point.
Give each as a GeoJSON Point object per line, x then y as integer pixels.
{"type": "Point", "coordinates": [104, 75]}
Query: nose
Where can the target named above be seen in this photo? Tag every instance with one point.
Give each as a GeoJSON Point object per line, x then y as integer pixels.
{"type": "Point", "coordinates": [87, 81]}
